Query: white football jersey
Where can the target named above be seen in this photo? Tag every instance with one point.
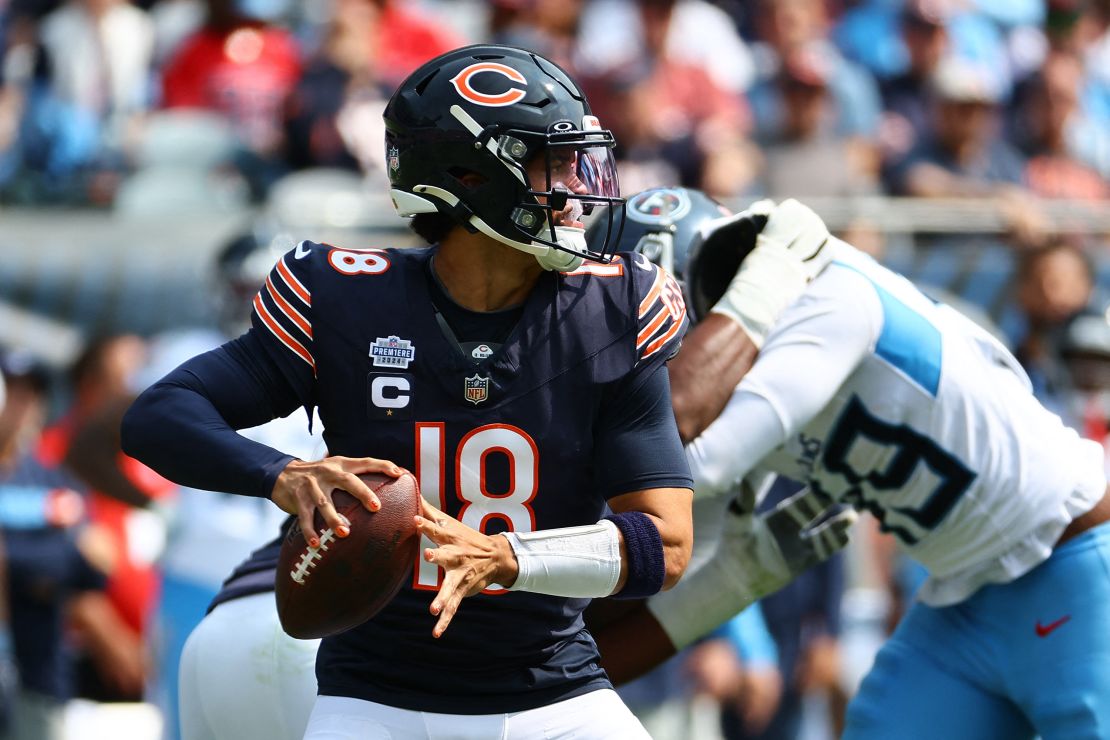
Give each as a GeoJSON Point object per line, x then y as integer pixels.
{"type": "Point", "coordinates": [903, 407]}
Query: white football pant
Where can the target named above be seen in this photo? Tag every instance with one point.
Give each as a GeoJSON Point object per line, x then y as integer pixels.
{"type": "Point", "coordinates": [598, 715]}
{"type": "Point", "coordinates": [242, 677]}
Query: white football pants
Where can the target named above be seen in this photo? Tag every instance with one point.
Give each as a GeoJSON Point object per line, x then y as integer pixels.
{"type": "Point", "coordinates": [243, 678]}
{"type": "Point", "coordinates": [598, 715]}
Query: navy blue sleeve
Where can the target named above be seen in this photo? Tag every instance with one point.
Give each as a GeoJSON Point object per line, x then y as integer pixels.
{"type": "Point", "coordinates": [184, 425]}
{"type": "Point", "coordinates": [637, 444]}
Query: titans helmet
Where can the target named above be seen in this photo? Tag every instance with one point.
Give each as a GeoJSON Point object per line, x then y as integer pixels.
{"type": "Point", "coordinates": [240, 271]}
{"type": "Point", "coordinates": [695, 238]}
{"type": "Point", "coordinates": [462, 133]}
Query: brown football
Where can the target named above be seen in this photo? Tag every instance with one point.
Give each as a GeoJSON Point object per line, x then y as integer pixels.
{"type": "Point", "coordinates": [340, 584]}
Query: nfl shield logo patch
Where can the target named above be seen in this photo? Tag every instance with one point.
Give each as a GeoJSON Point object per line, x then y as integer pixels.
{"type": "Point", "coordinates": [477, 389]}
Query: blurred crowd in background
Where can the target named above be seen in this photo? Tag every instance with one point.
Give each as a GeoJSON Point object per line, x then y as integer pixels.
{"type": "Point", "coordinates": [208, 106]}
{"type": "Point", "coordinates": [931, 98]}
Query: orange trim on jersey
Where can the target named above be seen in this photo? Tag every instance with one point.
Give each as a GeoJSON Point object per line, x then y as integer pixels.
{"type": "Point", "coordinates": [661, 341]}
{"type": "Point", "coordinates": [653, 294]}
{"type": "Point", "coordinates": [294, 284]}
{"type": "Point", "coordinates": [287, 308]}
{"type": "Point", "coordinates": [653, 326]}
{"type": "Point", "coordinates": [283, 336]}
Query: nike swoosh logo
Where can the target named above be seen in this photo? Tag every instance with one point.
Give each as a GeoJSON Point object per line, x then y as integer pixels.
{"type": "Point", "coordinates": [642, 262]}
{"type": "Point", "coordinates": [1044, 629]}
{"type": "Point", "coordinates": [301, 252]}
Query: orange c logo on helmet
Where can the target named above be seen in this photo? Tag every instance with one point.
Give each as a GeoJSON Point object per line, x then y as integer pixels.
{"type": "Point", "coordinates": [461, 81]}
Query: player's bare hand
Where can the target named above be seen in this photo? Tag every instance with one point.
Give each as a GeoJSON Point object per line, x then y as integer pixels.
{"type": "Point", "coordinates": [303, 487]}
{"type": "Point", "coordinates": [470, 561]}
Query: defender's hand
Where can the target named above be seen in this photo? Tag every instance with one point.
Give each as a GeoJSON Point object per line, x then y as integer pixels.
{"type": "Point", "coordinates": [304, 487]}
{"type": "Point", "coordinates": [756, 556]}
{"type": "Point", "coordinates": [790, 250]}
{"type": "Point", "coordinates": [778, 545]}
{"type": "Point", "coordinates": [470, 561]}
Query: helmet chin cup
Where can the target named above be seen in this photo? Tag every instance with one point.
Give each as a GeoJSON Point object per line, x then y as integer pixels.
{"type": "Point", "coordinates": [570, 257]}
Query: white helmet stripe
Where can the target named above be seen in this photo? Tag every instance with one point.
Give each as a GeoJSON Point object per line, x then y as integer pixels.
{"type": "Point", "coordinates": [476, 128]}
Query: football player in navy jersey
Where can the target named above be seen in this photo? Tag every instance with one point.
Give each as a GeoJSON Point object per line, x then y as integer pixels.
{"type": "Point", "coordinates": [524, 386]}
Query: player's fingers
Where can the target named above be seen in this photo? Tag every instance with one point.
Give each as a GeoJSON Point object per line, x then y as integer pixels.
{"type": "Point", "coordinates": [435, 529]}
{"type": "Point", "coordinates": [372, 465]}
{"type": "Point", "coordinates": [350, 483]}
{"type": "Point", "coordinates": [428, 511]}
{"type": "Point", "coordinates": [799, 510]}
{"type": "Point", "coordinates": [450, 606]}
{"type": "Point", "coordinates": [832, 535]}
{"type": "Point", "coordinates": [304, 518]}
{"type": "Point", "coordinates": [322, 502]}
{"type": "Point", "coordinates": [447, 589]}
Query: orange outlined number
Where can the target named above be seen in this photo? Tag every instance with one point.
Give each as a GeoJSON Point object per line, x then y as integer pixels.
{"type": "Point", "coordinates": [358, 262]}
{"type": "Point", "coordinates": [480, 505]}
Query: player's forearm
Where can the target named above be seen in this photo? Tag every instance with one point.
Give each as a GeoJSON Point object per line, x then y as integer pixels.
{"type": "Point", "coordinates": [663, 513]}
{"type": "Point", "coordinates": [182, 427]}
{"type": "Point", "coordinates": [715, 356]}
{"type": "Point", "coordinates": [182, 436]}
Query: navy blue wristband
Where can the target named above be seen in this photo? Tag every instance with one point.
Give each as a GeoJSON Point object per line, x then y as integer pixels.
{"type": "Point", "coordinates": [644, 546]}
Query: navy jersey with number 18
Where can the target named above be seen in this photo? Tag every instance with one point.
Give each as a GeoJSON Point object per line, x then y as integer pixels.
{"type": "Point", "coordinates": [537, 435]}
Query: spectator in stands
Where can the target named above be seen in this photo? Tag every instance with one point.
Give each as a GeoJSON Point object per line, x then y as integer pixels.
{"type": "Point", "coordinates": [50, 562]}
{"type": "Point", "coordinates": [966, 155]}
{"type": "Point", "coordinates": [1052, 285]}
{"type": "Point", "coordinates": [1085, 357]}
{"type": "Point", "coordinates": [669, 113]}
{"type": "Point", "coordinates": [548, 27]}
{"type": "Point", "coordinates": [24, 410]}
{"type": "Point", "coordinates": [806, 157]}
{"type": "Point", "coordinates": [738, 667]}
{"type": "Point", "coordinates": [111, 625]}
{"type": "Point", "coordinates": [785, 25]}
{"type": "Point", "coordinates": [737, 662]}
{"type": "Point", "coordinates": [1055, 135]}
{"type": "Point", "coordinates": [613, 36]}
{"type": "Point", "coordinates": [905, 96]}
{"type": "Point", "coordinates": [90, 89]}
{"type": "Point", "coordinates": [406, 38]}
{"type": "Point", "coordinates": [244, 68]}
{"type": "Point", "coordinates": [333, 116]}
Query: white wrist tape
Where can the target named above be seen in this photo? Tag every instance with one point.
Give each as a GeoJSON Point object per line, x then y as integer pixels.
{"type": "Point", "coordinates": [700, 602]}
{"type": "Point", "coordinates": [769, 280]}
{"type": "Point", "coordinates": [577, 562]}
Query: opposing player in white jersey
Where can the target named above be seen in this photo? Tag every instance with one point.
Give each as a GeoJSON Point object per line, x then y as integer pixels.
{"type": "Point", "coordinates": [875, 396]}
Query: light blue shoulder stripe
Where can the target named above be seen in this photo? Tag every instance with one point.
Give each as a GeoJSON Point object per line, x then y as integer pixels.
{"type": "Point", "coordinates": [908, 341]}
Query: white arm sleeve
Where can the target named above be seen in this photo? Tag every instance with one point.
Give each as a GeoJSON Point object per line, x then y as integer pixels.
{"type": "Point", "coordinates": [811, 351]}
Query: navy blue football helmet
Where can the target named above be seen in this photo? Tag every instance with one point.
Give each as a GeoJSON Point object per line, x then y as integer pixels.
{"type": "Point", "coordinates": [462, 132]}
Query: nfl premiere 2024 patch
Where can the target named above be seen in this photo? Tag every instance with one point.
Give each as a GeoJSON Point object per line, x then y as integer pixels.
{"type": "Point", "coordinates": [392, 351]}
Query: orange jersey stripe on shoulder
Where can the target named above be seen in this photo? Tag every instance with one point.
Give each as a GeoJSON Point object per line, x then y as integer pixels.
{"type": "Point", "coordinates": [283, 336]}
{"type": "Point", "coordinates": [287, 308]}
{"type": "Point", "coordinates": [652, 327]}
{"type": "Point", "coordinates": [659, 343]}
{"type": "Point", "coordinates": [294, 284]}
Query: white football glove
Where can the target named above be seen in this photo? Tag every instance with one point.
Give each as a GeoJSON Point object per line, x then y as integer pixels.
{"type": "Point", "coordinates": [789, 252]}
{"type": "Point", "coordinates": [756, 556]}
